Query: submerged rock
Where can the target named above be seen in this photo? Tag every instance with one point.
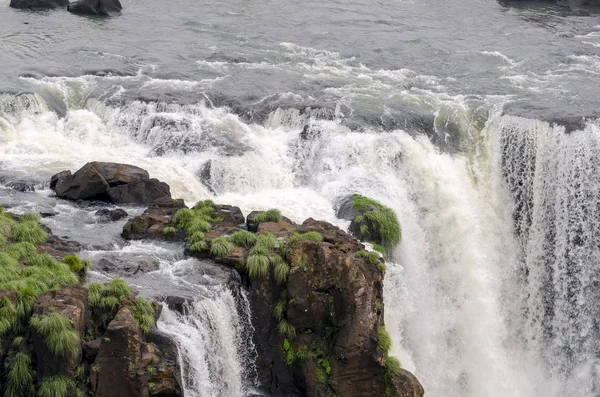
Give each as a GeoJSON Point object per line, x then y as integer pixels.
{"type": "Point", "coordinates": [41, 4]}
{"type": "Point", "coordinates": [111, 215]}
{"type": "Point", "coordinates": [113, 182]}
{"type": "Point", "coordinates": [95, 7]}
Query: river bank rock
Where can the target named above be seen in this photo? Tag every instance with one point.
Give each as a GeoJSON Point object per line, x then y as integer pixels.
{"type": "Point", "coordinates": [112, 182]}
{"type": "Point", "coordinates": [316, 298]}
{"type": "Point", "coordinates": [95, 7]}
{"type": "Point", "coordinates": [111, 215]}
{"type": "Point", "coordinates": [38, 4]}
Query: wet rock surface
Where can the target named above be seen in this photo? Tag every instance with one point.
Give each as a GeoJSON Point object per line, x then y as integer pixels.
{"type": "Point", "coordinates": [113, 182]}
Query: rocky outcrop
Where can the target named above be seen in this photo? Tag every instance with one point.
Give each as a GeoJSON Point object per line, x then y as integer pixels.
{"type": "Point", "coordinates": [371, 221]}
{"type": "Point", "coordinates": [316, 297]}
{"type": "Point", "coordinates": [38, 4]}
{"type": "Point", "coordinates": [95, 7]}
{"type": "Point", "coordinates": [116, 183]}
{"type": "Point", "coordinates": [154, 220]}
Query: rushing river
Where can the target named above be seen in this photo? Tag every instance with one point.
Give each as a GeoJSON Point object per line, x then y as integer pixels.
{"type": "Point", "coordinates": [477, 123]}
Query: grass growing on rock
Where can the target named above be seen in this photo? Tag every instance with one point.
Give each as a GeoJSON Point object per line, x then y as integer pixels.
{"type": "Point", "coordinates": [109, 297]}
{"type": "Point", "coordinates": [220, 247]}
{"type": "Point", "coordinates": [286, 329]}
{"type": "Point", "coordinates": [195, 222]}
{"type": "Point", "coordinates": [169, 231]}
{"type": "Point", "coordinates": [272, 215]}
{"type": "Point", "coordinates": [56, 386]}
{"type": "Point", "coordinates": [384, 341]}
{"type": "Point", "coordinates": [258, 265]}
{"type": "Point", "coordinates": [375, 218]}
{"type": "Point", "coordinates": [143, 312]}
{"type": "Point", "coordinates": [29, 231]}
{"type": "Point", "coordinates": [280, 269]}
{"type": "Point", "coordinates": [243, 238]}
{"type": "Point", "coordinates": [58, 334]}
{"type": "Point", "coordinates": [19, 376]}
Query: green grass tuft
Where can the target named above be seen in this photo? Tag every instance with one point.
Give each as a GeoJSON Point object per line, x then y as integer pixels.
{"type": "Point", "coordinates": [272, 215]}
{"type": "Point", "coordinates": [182, 217]}
{"type": "Point", "coordinates": [58, 333]}
{"type": "Point", "coordinates": [286, 329]}
{"type": "Point", "coordinates": [278, 310]}
{"type": "Point", "coordinates": [169, 231]}
{"type": "Point", "coordinates": [75, 264]}
{"type": "Point", "coordinates": [143, 312]}
{"type": "Point", "coordinates": [280, 269]}
{"type": "Point", "coordinates": [312, 236]}
{"type": "Point", "coordinates": [392, 364]}
{"type": "Point", "coordinates": [56, 386]}
{"type": "Point", "coordinates": [371, 257]}
{"type": "Point", "coordinates": [220, 247]}
{"type": "Point", "coordinates": [118, 288]}
{"type": "Point", "coordinates": [384, 342]}
{"type": "Point", "coordinates": [8, 316]}
{"type": "Point", "coordinates": [19, 376]}
{"type": "Point", "coordinates": [30, 216]}
{"type": "Point", "coordinates": [21, 250]}
{"type": "Point", "coordinates": [195, 237]}
{"type": "Point", "coordinates": [199, 246]}
{"type": "Point", "coordinates": [94, 293]}
{"type": "Point", "coordinates": [379, 217]}
{"type": "Point", "coordinates": [258, 265]}
{"type": "Point", "coordinates": [29, 231]}
{"type": "Point", "coordinates": [244, 238]}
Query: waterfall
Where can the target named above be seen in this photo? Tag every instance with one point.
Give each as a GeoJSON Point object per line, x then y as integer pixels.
{"type": "Point", "coordinates": [554, 178]}
{"type": "Point", "coordinates": [214, 340]}
{"type": "Point", "coordinates": [492, 291]}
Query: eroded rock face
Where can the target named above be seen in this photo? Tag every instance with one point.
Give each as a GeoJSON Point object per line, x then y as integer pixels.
{"type": "Point", "coordinates": [95, 7]}
{"type": "Point", "coordinates": [113, 182]}
{"type": "Point", "coordinates": [71, 302]}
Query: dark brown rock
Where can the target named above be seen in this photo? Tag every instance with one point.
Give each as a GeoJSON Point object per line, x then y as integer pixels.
{"type": "Point", "coordinates": [279, 229]}
{"type": "Point", "coordinates": [153, 221]}
{"type": "Point", "coordinates": [118, 359]}
{"type": "Point", "coordinates": [140, 192]}
{"type": "Point", "coordinates": [117, 183]}
{"type": "Point", "coordinates": [38, 4]}
{"type": "Point", "coordinates": [111, 215]}
{"type": "Point", "coordinates": [69, 301]}
{"type": "Point", "coordinates": [95, 7]}
{"type": "Point", "coordinates": [91, 348]}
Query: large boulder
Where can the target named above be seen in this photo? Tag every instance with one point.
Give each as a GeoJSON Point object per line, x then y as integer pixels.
{"type": "Point", "coordinates": [113, 182]}
{"type": "Point", "coordinates": [38, 4]}
{"type": "Point", "coordinates": [95, 7]}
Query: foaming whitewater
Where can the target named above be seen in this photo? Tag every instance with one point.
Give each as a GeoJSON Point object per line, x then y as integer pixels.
{"type": "Point", "coordinates": [214, 343]}
{"type": "Point", "coordinates": [554, 178]}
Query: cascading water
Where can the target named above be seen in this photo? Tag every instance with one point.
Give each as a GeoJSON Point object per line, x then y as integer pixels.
{"type": "Point", "coordinates": [498, 237]}
{"type": "Point", "coordinates": [554, 178]}
{"type": "Point", "coordinates": [214, 343]}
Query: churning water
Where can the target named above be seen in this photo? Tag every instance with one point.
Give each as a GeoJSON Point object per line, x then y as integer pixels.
{"type": "Point", "coordinates": [494, 288]}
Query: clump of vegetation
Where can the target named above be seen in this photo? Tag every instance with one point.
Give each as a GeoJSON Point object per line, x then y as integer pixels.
{"type": "Point", "coordinates": [280, 269]}
{"type": "Point", "coordinates": [169, 231]}
{"type": "Point", "coordinates": [258, 265]}
{"type": "Point", "coordinates": [392, 364]}
{"type": "Point", "coordinates": [376, 222]}
{"type": "Point", "coordinates": [371, 257]}
{"type": "Point", "coordinates": [195, 222]}
{"type": "Point", "coordinates": [244, 238]}
{"type": "Point", "coordinates": [29, 231]}
{"type": "Point", "coordinates": [56, 386]}
{"type": "Point", "coordinates": [108, 298]}
{"type": "Point", "coordinates": [279, 309]}
{"type": "Point", "coordinates": [76, 264]}
{"type": "Point", "coordinates": [19, 376]}
{"type": "Point", "coordinates": [58, 334]}
{"type": "Point", "coordinates": [272, 215]}
{"type": "Point", "coordinates": [312, 236]}
{"type": "Point", "coordinates": [143, 312]}
{"type": "Point", "coordinates": [286, 329]}
{"type": "Point", "coordinates": [384, 341]}
{"type": "Point", "coordinates": [220, 247]}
